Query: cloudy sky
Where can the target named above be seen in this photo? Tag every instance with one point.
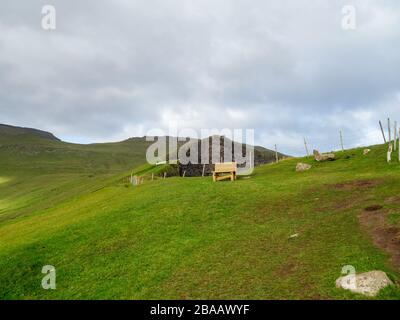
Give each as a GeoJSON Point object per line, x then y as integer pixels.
{"type": "Point", "coordinates": [287, 68]}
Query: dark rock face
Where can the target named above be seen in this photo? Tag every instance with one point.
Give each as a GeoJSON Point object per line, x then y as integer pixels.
{"type": "Point", "coordinates": [218, 149]}
{"type": "Point", "coordinates": [12, 130]}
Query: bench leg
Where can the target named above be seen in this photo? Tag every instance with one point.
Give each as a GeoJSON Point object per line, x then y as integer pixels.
{"type": "Point", "coordinates": [218, 177]}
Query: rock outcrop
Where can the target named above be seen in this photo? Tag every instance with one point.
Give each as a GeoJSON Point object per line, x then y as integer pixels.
{"type": "Point", "coordinates": [368, 283]}
{"type": "Point", "coordinates": [300, 167]}
{"type": "Point", "coordinates": [323, 156]}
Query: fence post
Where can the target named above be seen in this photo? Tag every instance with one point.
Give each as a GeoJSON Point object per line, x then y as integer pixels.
{"type": "Point", "coordinates": [383, 133]}
{"type": "Point", "coordinates": [305, 145]}
{"type": "Point", "coordinates": [389, 153]}
{"type": "Point", "coordinates": [341, 140]}
{"type": "Point", "coordinates": [276, 154]}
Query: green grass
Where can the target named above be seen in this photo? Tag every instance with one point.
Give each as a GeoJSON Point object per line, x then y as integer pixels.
{"type": "Point", "coordinates": [37, 173]}
{"type": "Point", "coordinates": [190, 238]}
{"type": "Point", "coordinates": [394, 218]}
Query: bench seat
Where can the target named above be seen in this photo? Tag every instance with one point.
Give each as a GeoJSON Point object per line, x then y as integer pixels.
{"type": "Point", "coordinates": [225, 170]}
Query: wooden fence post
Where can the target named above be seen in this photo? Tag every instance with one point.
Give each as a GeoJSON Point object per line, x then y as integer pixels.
{"type": "Point", "coordinates": [389, 153]}
{"type": "Point", "coordinates": [204, 167]}
{"type": "Point", "coordinates": [305, 145]}
{"type": "Point", "coordinates": [383, 132]}
{"type": "Point", "coordinates": [341, 140]}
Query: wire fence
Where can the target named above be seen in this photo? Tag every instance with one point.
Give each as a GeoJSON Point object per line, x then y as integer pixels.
{"type": "Point", "coordinates": [331, 141]}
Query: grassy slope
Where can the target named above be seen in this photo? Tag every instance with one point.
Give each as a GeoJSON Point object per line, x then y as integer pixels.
{"type": "Point", "coordinates": [192, 238]}
{"type": "Point", "coordinates": [43, 172]}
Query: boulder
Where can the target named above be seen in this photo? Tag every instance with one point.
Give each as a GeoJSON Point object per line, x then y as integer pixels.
{"type": "Point", "coordinates": [302, 167]}
{"type": "Point", "coordinates": [366, 151]}
{"type": "Point", "coordinates": [323, 156]}
{"type": "Point", "coordinates": [368, 283]}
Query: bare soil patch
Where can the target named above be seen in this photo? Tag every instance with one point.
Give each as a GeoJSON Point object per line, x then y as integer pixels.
{"type": "Point", "coordinates": [374, 207]}
{"type": "Point", "coordinates": [288, 269]}
{"type": "Point", "coordinates": [384, 235]}
{"type": "Point", "coordinates": [393, 200]}
{"type": "Point", "coordinates": [357, 184]}
{"type": "Point", "coordinates": [354, 200]}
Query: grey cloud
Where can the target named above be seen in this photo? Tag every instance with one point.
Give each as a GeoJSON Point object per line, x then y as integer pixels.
{"type": "Point", "coordinates": [286, 68]}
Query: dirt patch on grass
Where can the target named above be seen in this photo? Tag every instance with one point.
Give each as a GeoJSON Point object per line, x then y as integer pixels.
{"type": "Point", "coordinates": [374, 207]}
{"type": "Point", "coordinates": [357, 184]}
{"type": "Point", "coordinates": [384, 235]}
{"type": "Point", "coordinates": [393, 200]}
{"type": "Point", "coordinates": [287, 269]}
{"type": "Point", "coordinates": [358, 195]}
{"type": "Point", "coordinates": [348, 203]}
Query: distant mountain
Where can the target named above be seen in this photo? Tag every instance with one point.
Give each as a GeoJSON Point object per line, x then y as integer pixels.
{"type": "Point", "coordinates": [42, 152]}
{"type": "Point", "coordinates": [11, 130]}
{"type": "Point", "coordinates": [217, 144]}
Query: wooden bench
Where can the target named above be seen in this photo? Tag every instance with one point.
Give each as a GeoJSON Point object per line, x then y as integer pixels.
{"type": "Point", "coordinates": [226, 170]}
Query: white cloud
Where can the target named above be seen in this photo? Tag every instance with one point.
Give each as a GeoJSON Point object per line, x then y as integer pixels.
{"type": "Point", "coordinates": [286, 68]}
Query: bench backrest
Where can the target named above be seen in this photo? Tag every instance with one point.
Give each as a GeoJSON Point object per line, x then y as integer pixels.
{"type": "Point", "coordinates": [225, 167]}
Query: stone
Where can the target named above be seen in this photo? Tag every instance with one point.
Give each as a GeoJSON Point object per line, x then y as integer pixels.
{"type": "Point", "coordinates": [323, 156]}
{"type": "Point", "coordinates": [302, 167]}
{"type": "Point", "coordinates": [368, 283]}
{"type": "Point", "coordinates": [366, 151]}
{"type": "Point", "coordinates": [208, 151]}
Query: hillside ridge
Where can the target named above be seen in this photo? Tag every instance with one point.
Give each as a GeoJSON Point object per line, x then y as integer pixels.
{"type": "Point", "coordinates": [15, 130]}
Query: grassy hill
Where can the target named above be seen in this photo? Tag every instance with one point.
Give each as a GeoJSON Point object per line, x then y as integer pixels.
{"type": "Point", "coordinates": [42, 170]}
{"type": "Point", "coordinates": [40, 152]}
{"type": "Point", "coordinates": [191, 238]}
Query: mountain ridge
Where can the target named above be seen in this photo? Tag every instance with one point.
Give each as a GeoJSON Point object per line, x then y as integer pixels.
{"type": "Point", "coordinates": [16, 130]}
{"type": "Point", "coordinates": [33, 143]}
